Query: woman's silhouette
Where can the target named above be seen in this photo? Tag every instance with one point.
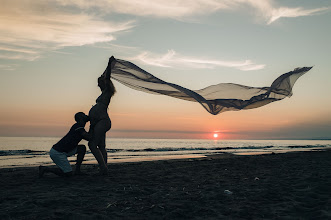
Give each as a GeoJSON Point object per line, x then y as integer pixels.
{"type": "Point", "coordinates": [99, 118]}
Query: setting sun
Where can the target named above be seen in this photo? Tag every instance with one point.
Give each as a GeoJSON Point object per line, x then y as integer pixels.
{"type": "Point", "coordinates": [215, 135]}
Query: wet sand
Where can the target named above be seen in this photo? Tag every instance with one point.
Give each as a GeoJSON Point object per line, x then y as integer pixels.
{"type": "Point", "coordinates": [294, 185]}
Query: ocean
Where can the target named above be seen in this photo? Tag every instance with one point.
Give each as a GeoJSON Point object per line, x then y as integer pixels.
{"type": "Point", "coordinates": [33, 151]}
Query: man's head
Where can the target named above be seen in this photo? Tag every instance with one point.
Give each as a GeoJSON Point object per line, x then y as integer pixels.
{"type": "Point", "coordinates": [80, 117]}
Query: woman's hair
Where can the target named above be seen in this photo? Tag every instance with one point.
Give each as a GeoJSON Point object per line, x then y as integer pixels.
{"type": "Point", "coordinates": [112, 88]}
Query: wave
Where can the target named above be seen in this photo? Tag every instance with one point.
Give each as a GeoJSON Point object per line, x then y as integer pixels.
{"type": "Point", "coordinates": [22, 152]}
{"type": "Point", "coordinates": [180, 149]}
{"type": "Point", "coordinates": [171, 149]}
{"type": "Point", "coordinates": [214, 148]}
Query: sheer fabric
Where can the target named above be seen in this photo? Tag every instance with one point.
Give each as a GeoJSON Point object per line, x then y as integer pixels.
{"type": "Point", "coordinates": [216, 98]}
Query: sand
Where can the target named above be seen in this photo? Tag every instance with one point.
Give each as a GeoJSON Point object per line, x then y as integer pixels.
{"type": "Point", "coordinates": [274, 186]}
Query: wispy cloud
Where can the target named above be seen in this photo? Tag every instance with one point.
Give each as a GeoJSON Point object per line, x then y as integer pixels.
{"type": "Point", "coordinates": [267, 10]}
{"type": "Point", "coordinates": [8, 67]}
{"type": "Point", "coordinates": [173, 59]}
{"type": "Point", "coordinates": [29, 28]}
{"type": "Point", "coordinates": [157, 8]}
{"type": "Point", "coordinates": [270, 12]}
{"type": "Point", "coordinates": [293, 12]}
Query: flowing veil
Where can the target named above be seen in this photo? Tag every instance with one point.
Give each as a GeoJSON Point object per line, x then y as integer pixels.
{"type": "Point", "coordinates": [216, 98]}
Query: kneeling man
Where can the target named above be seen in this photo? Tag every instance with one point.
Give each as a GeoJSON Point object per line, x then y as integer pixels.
{"type": "Point", "coordinates": [67, 147]}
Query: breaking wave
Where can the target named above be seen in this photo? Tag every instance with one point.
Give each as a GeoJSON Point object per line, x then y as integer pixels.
{"type": "Point", "coordinates": [171, 149]}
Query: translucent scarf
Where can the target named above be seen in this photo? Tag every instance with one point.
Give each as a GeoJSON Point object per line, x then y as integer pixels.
{"type": "Point", "coordinates": [216, 98]}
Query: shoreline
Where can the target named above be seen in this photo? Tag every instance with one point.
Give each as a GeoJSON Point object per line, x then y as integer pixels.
{"type": "Point", "coordinates": [271, 186]}
{"type": "Point", "coordinates": [17, 161]}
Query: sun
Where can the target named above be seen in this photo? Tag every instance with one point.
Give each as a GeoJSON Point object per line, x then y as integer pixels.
{"type": "Point", "coordinates": [215, 135]}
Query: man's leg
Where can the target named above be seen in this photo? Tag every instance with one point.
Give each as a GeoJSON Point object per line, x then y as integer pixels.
{"type": "Point", "coordinates": [61, 160]}
{"type": "Point", "coordinates": [81, 150]}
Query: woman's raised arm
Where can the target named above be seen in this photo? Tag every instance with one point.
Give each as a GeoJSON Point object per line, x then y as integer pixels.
{"type": "Point", "coordinates": [111, 64]}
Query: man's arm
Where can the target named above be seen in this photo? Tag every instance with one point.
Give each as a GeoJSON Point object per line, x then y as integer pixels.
{"type": "Point", "coordinates": [85, 135]}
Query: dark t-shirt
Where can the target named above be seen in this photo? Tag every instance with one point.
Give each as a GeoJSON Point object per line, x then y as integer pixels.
{"type": "Point", "coordinates": [71, 140]}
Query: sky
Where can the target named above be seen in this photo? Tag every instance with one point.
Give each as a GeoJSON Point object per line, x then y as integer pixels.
{"type": "Point", "coordinates": [52, 52]}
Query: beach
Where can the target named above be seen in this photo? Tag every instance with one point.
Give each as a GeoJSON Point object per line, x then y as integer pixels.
{"type": "Point", "coordinates": [293, 185]}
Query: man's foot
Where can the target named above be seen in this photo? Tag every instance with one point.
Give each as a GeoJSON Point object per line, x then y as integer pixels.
{"type": "Point", "coordinates": [103, 172]}
{"type": "Point", "coordinates": [79, 173]}
{"type": "Point", "coordinates": [68, 174]}
{"type": "Point", "coordinates": [42, 170]}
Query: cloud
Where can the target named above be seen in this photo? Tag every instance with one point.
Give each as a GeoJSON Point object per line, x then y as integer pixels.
{"type": "Point", "coordinates": [269, 12]}
{"type": "Point", "coordinates": [156, 8]}
{"type": "Point", "coordinates": [314, 129]}
{"type": "Point", "coordinates": [29, 28]}
{"type": "Point", "coordinates": [8, 67]}
{"type": "Point", "coordinates": [265, 9]}
{"type": "Point", "coordinates": [292, 12]}
{"type": "Point", "coordinates": [173, 59]}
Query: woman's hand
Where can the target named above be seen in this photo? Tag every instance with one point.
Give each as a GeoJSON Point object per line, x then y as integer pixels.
{"type": "Point", "coordinates": [111, 62]}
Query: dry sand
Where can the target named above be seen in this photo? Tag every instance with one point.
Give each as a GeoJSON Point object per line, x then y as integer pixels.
{"type": "Point", "coordinates": [278, 186]}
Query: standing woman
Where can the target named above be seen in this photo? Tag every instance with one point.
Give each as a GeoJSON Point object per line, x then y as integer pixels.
{"type": "Point", "coordinates": [99, 119]}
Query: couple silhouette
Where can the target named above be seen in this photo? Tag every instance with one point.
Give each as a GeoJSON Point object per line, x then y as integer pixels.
{"type": "Point", "coordinates": [215, 99]}
{"type": "Point", "coordinates": [100, 123]}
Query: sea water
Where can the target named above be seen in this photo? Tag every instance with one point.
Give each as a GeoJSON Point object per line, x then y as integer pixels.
{"type": "Point", "coordinates": [27, 151]}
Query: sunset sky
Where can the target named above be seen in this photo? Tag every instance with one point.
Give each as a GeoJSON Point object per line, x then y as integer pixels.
{"type": "Point", "coordinates": [52, 52]}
